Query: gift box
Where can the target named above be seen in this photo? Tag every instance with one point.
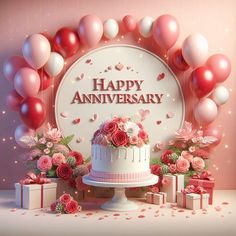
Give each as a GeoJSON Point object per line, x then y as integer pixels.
{"type": "Point", "coordinates": [156, 198]}
{"type": "Point", "coordinates": [192, 201]}
{"type": "Point", "coordinates": [206, 181]}
{"type": "Point", "coordinates": [172, 184]}
{"type": "Point", "coordinates": [34, 196]}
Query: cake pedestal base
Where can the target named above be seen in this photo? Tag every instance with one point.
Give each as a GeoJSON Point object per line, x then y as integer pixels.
{"type": "Point", "coordinates": [119, 202]}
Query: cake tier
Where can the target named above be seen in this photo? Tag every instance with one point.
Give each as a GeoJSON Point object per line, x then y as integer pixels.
{"type": "Point", "coordinates": [120, 164]}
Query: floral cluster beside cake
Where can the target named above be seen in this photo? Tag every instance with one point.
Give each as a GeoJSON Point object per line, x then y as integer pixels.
{"type": "Point", "coordinates": [120, 152]}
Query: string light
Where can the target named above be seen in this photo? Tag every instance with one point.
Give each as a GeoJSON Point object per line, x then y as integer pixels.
{"type": "Point", "coordinates": [229, 112]}
{"type": "Point", "coordinates": [122, 36]}
{"type": "Point", "coordinates": [14, 147]}
{"type": "Point", "coordinates": [4, 140]}
{"type": "Point", "coordinates": [10, 138]}
{"type": "Point", "coordinates": [226, 146]}
{"type": "Point", "coordinates": [3, 112]}
{"type": "Point", "coordinates": [3, 180]}
{"type": "Point", "coordinates": [16, 162]}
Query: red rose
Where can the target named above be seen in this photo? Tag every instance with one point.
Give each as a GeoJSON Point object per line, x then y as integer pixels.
{"type": "Point", "coordinates": [72, 183]}
{"type": "Point", "coordinates": [78, 156]}
{"type": "Point", "coordinates": [53, 206]}
{"type": "Point", "coordinates": [165, 157]}
{"type": "Point", "coordinates": [156, 169]}
{"type": "Point", "coordinates": [143, 135]}
{"type": "Point", "coordinates": [64, 171]}
{"type": "Point", "coordinates": [96, 134]}
{"type": "Point", "coordinates": [110, 127]}
{"type": "Point", "coordinates": [119, 138]}
{"type": "Point", "coordinates": [72, 207]}
{"type": "Point", "coordinates": [65, 198]}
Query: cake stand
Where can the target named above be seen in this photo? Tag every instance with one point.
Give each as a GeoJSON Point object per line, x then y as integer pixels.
{"type": "Point", "coordinates": [119, 202]}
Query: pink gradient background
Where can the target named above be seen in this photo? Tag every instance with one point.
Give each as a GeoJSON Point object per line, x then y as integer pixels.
{"type": "Point", "coordinates": [216, 20]}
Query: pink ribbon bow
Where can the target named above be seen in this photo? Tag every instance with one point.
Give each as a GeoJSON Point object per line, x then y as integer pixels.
{"type": "Point", "coordinates": [205, 175]}
{"type": "Point", "coordinates": [32, 178]}
{"type": "Point", "coordinates": [193, 189]}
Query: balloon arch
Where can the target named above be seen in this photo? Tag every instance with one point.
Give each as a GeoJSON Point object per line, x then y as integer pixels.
{"type": "Point", "coordinates": [44, 58]}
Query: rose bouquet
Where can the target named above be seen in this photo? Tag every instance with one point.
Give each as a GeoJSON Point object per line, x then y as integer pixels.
{"type": "Point", "coordinates": [186, 154]}
{"type": "Point", "coordinates": [120, 132]}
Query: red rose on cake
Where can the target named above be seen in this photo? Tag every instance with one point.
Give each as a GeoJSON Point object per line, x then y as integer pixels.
{"type": "Point", "coordinates": [119, 138]}
{"type": "Point", "coordinates": [109, 127]}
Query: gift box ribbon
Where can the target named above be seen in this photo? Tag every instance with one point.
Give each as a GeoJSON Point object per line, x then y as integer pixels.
{"type": "Point", "coordinates": [205, 175]}
{"type": "Point", "coordinates": [32, 178]}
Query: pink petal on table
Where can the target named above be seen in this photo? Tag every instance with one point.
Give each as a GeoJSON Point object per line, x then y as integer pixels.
{"type": "Point", "coordinates": [109, 68]}
{"type": "Point", "coordinates": [170, 114]}
{"type": "Point", "coordinates": [128, 67]}
{"type": "Point", "coordinates": [80, 77]}
{"type": "Point", "coordinates": [57, 215]}
{"type": "Point", "coordinates": [75, 215]}
{"type": "Point", "coordinates": [225, 203]}
{"type": "Point", "coordinates": [143, 113]}
{"type": "Point", "coordinates": [142, 210]}
{"type": "Point", "coordinates": [204, 212]}
{"type": "Point", "coordinates": [105, 71]}
{"type": "Point", "coordinates": [161, 76]}
{"type": "Point", "coordinates": [106, 215]}
{"type": "Point", "coordinates": [158, 122]}
{"type": "Point", "coordinates": [149, 208]}
{"type": "Point", "coordinates": [156, 215]}
{"type": "Point", "coordinates": [204, 209]}
{"type": "Point", "coordinates": [194, 212]}
{"type": "Point", "coordinates": [181, 210]}
{"type": "Point", "coordinates": [80, 139]}
{"type": "Point", "coordinates": [116, 214]}
{"type": "Point", "coordinates": [162, 206]}
{"type": "Point", "coordinates": [37, 214]}
{"type": "Point", "coordinates": [173, 204]}
{"type": "Point", "coordinates": [119, 66]}
{"type": "Point", "coordinates": [158, 211]}
{"type": "Point", "coordinates": [128, 218]}
{"type": "Point", "coordinates": [88, 61]}
{"type": "Point", "coordinates": [94, 118]}
{"type": "Point", "coordinates": [89, 214]}
{"type": "Point", "coordinates": [218, 208]}
{"type": "Point", "coordinates": [13, 210]}
{"type": "Point", "coordinates": [64, 114]}
{"type": "Point", "coordinates": [141, 216]}
{"type": "Point", "coordinates": [187, 216]}
{"type": "Point", "coordinates": [76, 121]}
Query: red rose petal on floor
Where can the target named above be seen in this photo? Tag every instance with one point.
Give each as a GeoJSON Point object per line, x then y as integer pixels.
{"type": "Point", "coordinates": [225, 203]}
{"type": "Point", "coordinates": [36, 214]}
{"type": "Point", "coordinates": [194, 212]}
{"type": "Point", "coordinates": [187, 216]}
{"type": "Point", "coordinates": [142, 210]}
{"type": "Point", "coordinates": [181, 210]}
{"type": "Point", "coordinates": [101, 218]}
{"type": "Point", "coordinates": [218, 208]}
{"type": "Point", "coordinates": [88, 61]}
{"type": "Point", "coordinates": [57, 215]}
{"type": "Point", "coordinates": [89, 214]}
{"type": "Point", "coordinates": [162, 206]}
{"type": "Point", "coordinates": [116, 214]}
{"type": "Point", "coordinates": [128, 218]}
{"type": "Point", "coordinates": [141, 216]}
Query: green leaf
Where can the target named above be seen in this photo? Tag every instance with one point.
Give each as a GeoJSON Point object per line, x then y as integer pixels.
{"type": "Point", "coordinates": [51, 173]}
{"type": "Point", "coordinates": [156, 161]}
{"type": "Point", "coordinates": [65, 141]}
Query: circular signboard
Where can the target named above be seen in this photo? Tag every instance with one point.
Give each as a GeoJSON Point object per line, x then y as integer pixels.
{"type": "Point", "coordinates": [118, 80]}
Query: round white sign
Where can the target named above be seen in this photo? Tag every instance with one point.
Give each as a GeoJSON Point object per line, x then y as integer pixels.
{"type": "Point", "coordinates": [118, 80]}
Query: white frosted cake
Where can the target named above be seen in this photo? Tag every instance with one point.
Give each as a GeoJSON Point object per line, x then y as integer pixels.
{"type": "Point", "coordinates": [120, 152]}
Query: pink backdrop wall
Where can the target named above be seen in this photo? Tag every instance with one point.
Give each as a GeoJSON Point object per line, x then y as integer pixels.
{"type": "Point", "coordinates": [216, 20]}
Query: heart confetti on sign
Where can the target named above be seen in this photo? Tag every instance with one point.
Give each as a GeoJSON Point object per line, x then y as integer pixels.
{"type": "Point", "coordinates": [76, 121]}
{"type": "Point", "coordinates": [64, 114]}
{"type": "Point", "coordinates": [170, 114]}
{"type": "Point", "coordinates": [143, 114]}
{"type": "Point", "coordinates": [158, 122]}
{"type": "Point", "coordinates": [119, 66]}
{"type": "Point", "coordinates": [94, 118]}
{"type": "Point", "coordinates": [161, 76]}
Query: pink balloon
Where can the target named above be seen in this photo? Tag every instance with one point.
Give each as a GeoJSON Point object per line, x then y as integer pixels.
{"type": "Point", "coordinates": [129, 23]}
{"type": "Point", "coordinates": [27, 82]}
{"type": "Point", "coordinates": [205, 111]}
{"type": "Point", "coordinates": [36, 50]}
{"type": "Point", "coordinates": [22, 131]}
{"type": "Point", "coordinates": [14, 100]}
{"type": "Point", "coordinates": [12, 65]}
{"type": "Point", "coordinates": [215, 132]}
{"type": "Point", "coordinates": [165, 31]}
{"type": "Point", "coordinates": [90, 30]}
{"type": "Point", "coordinates": [220, 66]}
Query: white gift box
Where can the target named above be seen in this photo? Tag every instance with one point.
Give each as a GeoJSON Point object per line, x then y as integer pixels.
{"type": "Point", "coordinates": [192, 201]}
{"type": "Point", "coordinates": [34, 196]}
{"type": "Point", "coordinates": [156, 198]}
{"type": "Point", "coordinates": [173, 184]}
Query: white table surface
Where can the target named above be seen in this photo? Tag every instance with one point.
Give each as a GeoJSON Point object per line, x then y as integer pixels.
{"type": "Point", "coordinates": [147, 221]}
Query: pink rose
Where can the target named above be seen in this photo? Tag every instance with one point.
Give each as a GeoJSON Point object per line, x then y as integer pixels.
{"type": "Point", "coordinates": [133, 140]}
{"type": "Point", "coordinates": [186, 155]}
{"type": "Point", "coordinates": [198, 163]}
{"type": "Point", "coordinates": [42, 140]}
{"type": "Point", "coordinates": [143, 135]}
{"type": "Point", "coordinates": [172, 168]}
{"type": "Point", "coordinates": [182, 165]}
{"type": "Point", "coordinates": [65, 198]}
{"type": "Point", "coordinates": [72, 207]}
{"type": "Point", "coordinates": [110, 127]}
{"type": "Point", "coordinates": [46, 150]}
{"type": "Point", "coordinates": [140, 142]}
{"type": "Point", "coordinates": [165, 157]}
{"type": "Point", "coordinates": [44, 163]}
{"type": "Point", "coordinates": [58, 159]}
{"type": "Point", "coordinates": [49, 144]}
{"type": "Point", "coordinates": [119, 138]}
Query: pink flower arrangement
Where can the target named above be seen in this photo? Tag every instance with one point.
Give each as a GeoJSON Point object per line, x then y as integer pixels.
{"type": "Point", "coordinates": [65, 204]}
{"type": "Point", "coordinates": [198, 164]}
{"type": "Point", "coordinates": [182, 165]}
{"type": "Point", "coordinates": [58, 158]}
{"type": "Point", "coordinates": [186, 155]}
{"type": "Point", "coordinates": [53, 134]}
{"type": "Point", "coordinates": [120, 132]}
{"type": "Point", "coordinates": [44, 163]}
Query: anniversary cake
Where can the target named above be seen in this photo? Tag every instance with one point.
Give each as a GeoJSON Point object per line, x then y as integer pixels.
{"type": "Point", "coordinates": [120, 152]}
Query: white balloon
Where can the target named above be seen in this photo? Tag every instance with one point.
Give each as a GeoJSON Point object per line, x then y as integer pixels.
{"type": "Point", "coordinates": [205, 111]}
{"type": "Point", "coordinates": [21, 133]}
{"type": "Point", "coordinates": [54, 64]}
{"type": "Point", "coordinates": [110, 28]}
{"type": "Point", "coordinates": [145, 26]}
{"type": "Point", "coordinates": [195, 50]}
{"type": "Point", "coordinates": [220, 95]}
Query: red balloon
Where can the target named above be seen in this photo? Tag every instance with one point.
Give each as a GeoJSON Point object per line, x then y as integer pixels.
{"type": "Point", "coordinates": [202, 81]}
{"type": "Point", "coordinates": [33, 112]}
{"type": "Point", "coordinates": [14, 100]}
{"type": "Point", "coordinates": [45, 80]}
{"type": "Point", "coordinates": [66, 42]}
{"type": "Point", "coordinates": [178, 60]}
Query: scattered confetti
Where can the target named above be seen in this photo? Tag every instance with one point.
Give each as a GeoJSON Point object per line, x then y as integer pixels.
{"type": "Point", "coordinates": [116, 214]}
{"type": "Point", "coordinates": [88, 61]}
{"type": "Point", "coordinates": [128, 67]}
{"type": "Point", "coordinates": [181, 210]}
{"type": "Point", "coordinates": [119, 66]}
{"type": "Point", "coordinates": [170, 115]}
{"type": "Point", "coordinates": [109, 68]}
{"type": "Point", "coordinates": [218, 208]}
{"type": "Point", "coordinates": [94, 118]}
{"type": "Point", "coordinates": [142, 210]}
{"type": "Point", "coordinates": [141, 216]}
{"type": "Point", "coordinates": [76, 121]}
{"type": "Point", "coordinates": [225, 203]}
{"type": "Point", "coordinates": [89, 214]}
{"type": "Point", "coordinates": [158, 122]}
{"type": "Point", "coordinates": [80, 139]}
{"type": "Point", "coordinates": [143, 114]}
{"type": "Point", "coordinates": [194, 212]}
{"type": "Point", "coordinates": [128, 218]}
{"type": "Point", "coordinates": [80, 77]}
{"type": "Point", "coordinates": [161, 76]}
{"type": "Point", "coordinates": [64, 114]}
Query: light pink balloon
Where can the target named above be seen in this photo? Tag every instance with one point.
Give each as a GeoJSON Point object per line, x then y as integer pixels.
{"type": "Point", "coordinates": [220, 66]}
{"type": "Point", "coordinates": [22, 131]}
{"type": "Point", "coordinates": [90, 30]}
{"type": "Point", "coordinates": [215, 132]}
{"type": "Point", "coordinates": [14, 100]}
{"type": "Point", "coordinates": [129, 23]}
{"type": "Point", "coordinates": [165, 31]}
{"type": "Point", "coordinates": [27, 82]}
{"type": "Point", "coordinates": [12, 65]}
{"type": "Point", "coordinates": [36, 50]}
{"type": "Point", "coordinates": [205, 111]}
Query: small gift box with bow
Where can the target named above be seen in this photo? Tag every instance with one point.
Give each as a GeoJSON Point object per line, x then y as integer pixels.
{"type": "Point", "coordinates": [206, 181]}
{"type": "Point", "coordinates": [193, 198]}
{"type": "Point", "coordinates": [35, 191]}
{"type": "Point", "coordinates": [156, 198]}
{"type": "Point", "coordinates": [171, 184]}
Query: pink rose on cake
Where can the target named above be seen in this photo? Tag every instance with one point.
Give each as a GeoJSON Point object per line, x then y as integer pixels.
{"type": "Point", "coordinates": [182, 165]}
{"type": "Point", "coordinates": [198, 163]}
{"type": "Point", "coordinates": [133, 140]}
{"type": "Point", "coordinates": [143, 135]}
{"type": "Point", "coordinates": [119, 138]}
{"type": "Point", "coordinates": [109, 127]}
{"type": "Point", "coordinates": [44, 163]}
{"type": "Point", "coordinates": [131, 129]}
{"type": "Point", "coordinates": [58, 158]}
